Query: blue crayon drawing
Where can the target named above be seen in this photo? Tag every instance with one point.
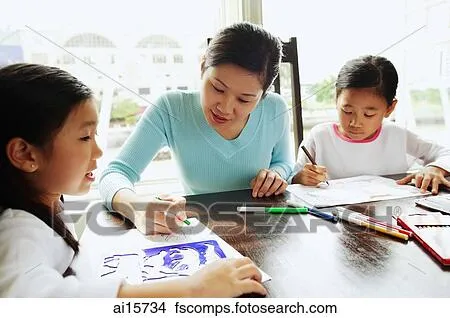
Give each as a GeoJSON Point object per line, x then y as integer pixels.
{"type": "Point", "coordinates": [113, 264]}
{"type": "Point", "coordinates": [179, 260]}
{"type": "Point", "coordinates": [162, 262]}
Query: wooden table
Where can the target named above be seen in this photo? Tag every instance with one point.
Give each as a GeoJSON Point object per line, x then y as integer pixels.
{"type": "Point", "coordinates": [310, 257]}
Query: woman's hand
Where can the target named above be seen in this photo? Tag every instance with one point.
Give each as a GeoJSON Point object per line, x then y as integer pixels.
{"type": "Point", "coordinates": [428, 176]}
{"type": "Point", "coordinates": [311, 175]}
{"type": "Point", "coordinates": [226, 278]}
{"type": "Point", "coordinates": [163, 215]}
{"type": "Point", "coordinates": [266, 183]}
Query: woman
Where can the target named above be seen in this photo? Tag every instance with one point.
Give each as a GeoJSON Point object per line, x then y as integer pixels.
{"type": "Point", "coordinates": [230, 135]}
{"type": "Point", "coordinates": [47, 149]}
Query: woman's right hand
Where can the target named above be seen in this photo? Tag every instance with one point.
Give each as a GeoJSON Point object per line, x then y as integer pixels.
{"type": "Point", "coordinates": [311, 175]}
{"type": "Point", "coordinates": [227, 278]}
{"type": "Point", "coordinates": [161, 215]}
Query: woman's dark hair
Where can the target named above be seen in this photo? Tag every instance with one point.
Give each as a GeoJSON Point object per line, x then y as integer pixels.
{"type": "Point", "coordinates": [248, 46]}
{"type": "Point", "coordinates": [369, 72]}
{"type": "Point", "coordinates": [35, 103]}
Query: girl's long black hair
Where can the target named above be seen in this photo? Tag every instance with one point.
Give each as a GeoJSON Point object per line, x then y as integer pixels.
{"type": "Point", "coordinates": [35, 101]}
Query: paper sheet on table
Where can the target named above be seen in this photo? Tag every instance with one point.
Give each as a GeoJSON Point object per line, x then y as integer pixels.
{"type": "Point", "coordinates": [169, 256]}
{"type": "Point", "coordinates": [352, 191]}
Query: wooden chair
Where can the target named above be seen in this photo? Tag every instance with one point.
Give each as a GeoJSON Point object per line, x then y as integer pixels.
{"type": "Point", "coordinates": [290, 56]}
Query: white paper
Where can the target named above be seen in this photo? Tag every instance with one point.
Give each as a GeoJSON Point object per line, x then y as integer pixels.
{"type": "Point", "coordinates": [168, 256]}
{"type": "Point", "coordinates": [440, 203]}
{"type": "Point", "coordinates": [352, 191]}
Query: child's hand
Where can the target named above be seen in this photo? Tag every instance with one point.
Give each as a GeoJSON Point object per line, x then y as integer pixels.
{"type": "Point", "coordinates": [311, 175]}
{"type": "Point", "coordinates": [430, 175]}
{"type": "Point", "coordinates": [266, 183]}
{"type": "Point", "coordinates": [227, 278]}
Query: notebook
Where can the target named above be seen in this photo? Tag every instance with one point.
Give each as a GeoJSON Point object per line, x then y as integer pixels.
{"type": "Point", "coordinates": [352, 190]}
{"type": "Point", "coordinates": [432, 231]}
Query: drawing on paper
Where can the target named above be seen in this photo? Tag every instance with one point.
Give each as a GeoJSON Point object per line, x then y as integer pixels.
{"type": "Point", "coordinates": [353, 190]}
{"type": "Point", "coordinates": [184, 234]}
{"type": "Point", "coordinates": [179, 260]}
{"type": "Point", "coordinates": [121, 265]}
{"type": "Point", "coordinates": [162, 262]}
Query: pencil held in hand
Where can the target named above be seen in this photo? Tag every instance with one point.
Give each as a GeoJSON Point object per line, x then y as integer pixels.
{"type": "Point", "coordinates": [314, 167]}
{"type": "Point", "coordinates": [185, 221]}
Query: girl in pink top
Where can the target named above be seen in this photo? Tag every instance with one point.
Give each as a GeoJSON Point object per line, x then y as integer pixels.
{"type": "Point", "coordinates": [362, 143]}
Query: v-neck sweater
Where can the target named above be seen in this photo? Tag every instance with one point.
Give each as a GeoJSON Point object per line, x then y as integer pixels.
{"type": "Point", "coordinates": [207, 162]}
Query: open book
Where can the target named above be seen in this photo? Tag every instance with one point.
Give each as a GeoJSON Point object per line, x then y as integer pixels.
{"type": "Point", "coordinates": [169, 256]}
{"type": "Point", "coordinates": [352, 191]}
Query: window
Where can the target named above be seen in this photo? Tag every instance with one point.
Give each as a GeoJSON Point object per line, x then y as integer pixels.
{"type": "Point", "coordinates": [178, 59]}
{"type": "Point", "coordinates": [144, 91]}
{"type": "Point", "coordinates": [158, 41]}
{"type": "Point", "coordinates": [39, 58]}
{"type": "Point", "coordinates": [445, 61]}
{"type": "Point", "coordinates": [10, 54]}
{"type": "Point", "coordinates": [89, 40]}
{"type": "Point", "coordinates": [115, 45]}
{"type": "Point", "coordinates": [68, 59]}
{"type": "Point", "coordinates": [88, 59]}
{"type": "Point", "coordinates": [421, 58]}
{"type": "Point", "coordinates": [159, 58]}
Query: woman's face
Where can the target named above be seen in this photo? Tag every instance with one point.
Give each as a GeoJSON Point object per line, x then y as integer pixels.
{"type": "Point", "coordinates": [229, 93]}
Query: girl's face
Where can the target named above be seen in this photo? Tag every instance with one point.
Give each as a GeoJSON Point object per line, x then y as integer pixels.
{"type": "Point", "coordinates": [68, 168]}
{"type": "Point", "coordinates": [361, 112]}
{"type": "Point", "coordinates": [229, 93]}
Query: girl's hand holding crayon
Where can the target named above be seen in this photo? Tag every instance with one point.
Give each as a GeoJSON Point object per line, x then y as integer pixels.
{"type": "Point", "coordinates": [311, 175]}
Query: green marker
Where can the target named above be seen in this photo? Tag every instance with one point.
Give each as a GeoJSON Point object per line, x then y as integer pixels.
{"type": "Point", "coordinates": [274, 210]}
{"type": "Point", "coordinates": [185, 221]}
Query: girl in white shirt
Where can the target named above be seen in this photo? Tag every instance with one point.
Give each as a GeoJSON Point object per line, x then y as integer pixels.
{"type": "Point", "coordinates": [47, 148]}
{"type": "Point", "coordinates": [361, 143]}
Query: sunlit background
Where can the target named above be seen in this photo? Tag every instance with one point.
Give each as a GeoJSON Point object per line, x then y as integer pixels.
{"type": "Point", "coordinates": [132, 51]}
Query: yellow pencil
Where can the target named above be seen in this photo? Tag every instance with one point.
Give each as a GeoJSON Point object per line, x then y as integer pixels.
{"type": "Point", "coordinates": [385, 230]}
{"type": "Point", "coordinates": [375, 227]}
